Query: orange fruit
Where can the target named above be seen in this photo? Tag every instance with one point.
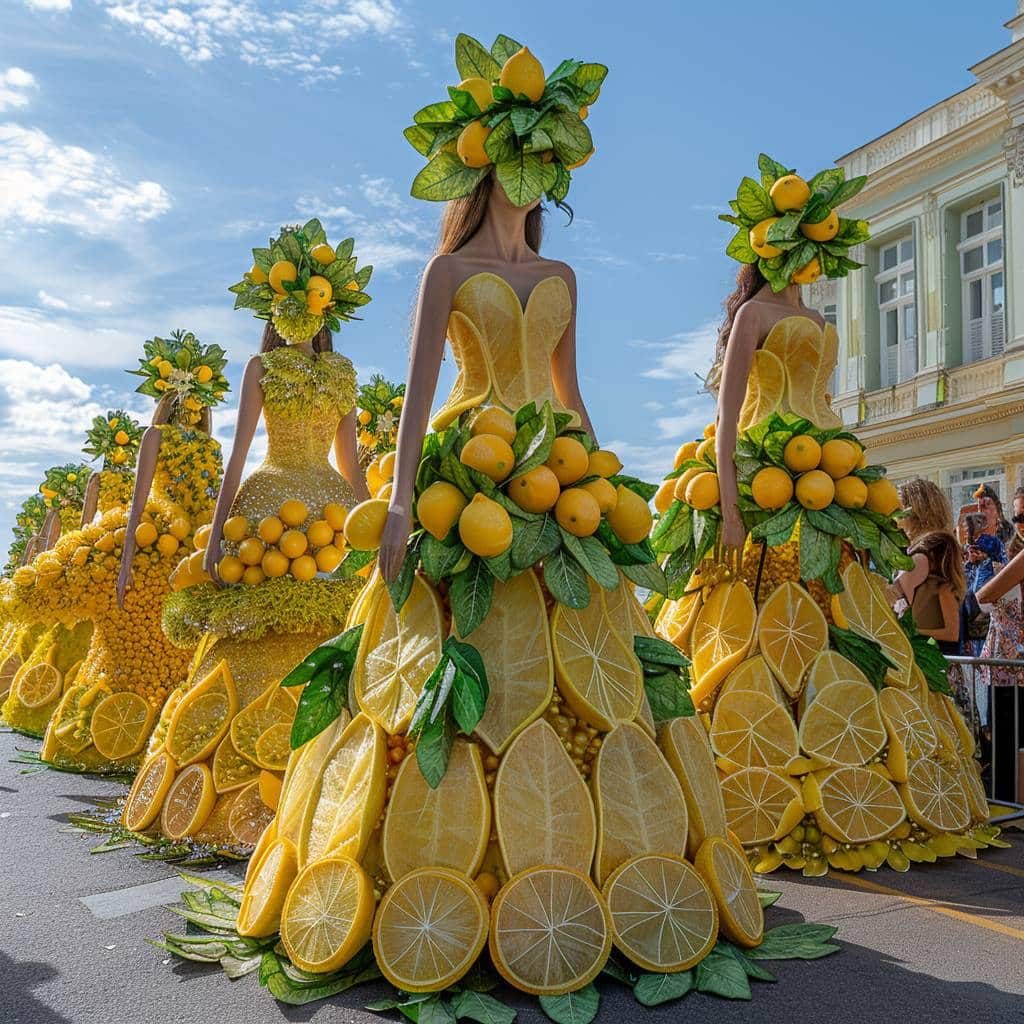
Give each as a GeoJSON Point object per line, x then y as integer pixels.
{"type": "Point", "coordinates": [180, 527]}
{"type": "Point", "coordinates": [335, 515]}
{"type": "Point", "coordinates": [251, 550]}
{"type": "Point", "coordinates": [578, 512]}
{"type": "Point", "coordinates": [808, 273]}
{"type": "Point", "coordinates": [293, 512]}
{"type": "Point", "coordinates": [882, 497]}
{"type": "Point", "coordinates": [485, 527]}
{"type": "Point", "coordinates": [568, 460]}
{"type": "Point", "coordinates": [494, 420]}
{"type": "Point", "coordinates": [758, 238]}
{"type": "Point", "coordinates": [702, 491]}
{"type": "Point", "coordinates": [230, 569]}
{"type": "Point", "coordinates": [536, 490]}
{"type": "Point", "coordinates": [145, 534]}
{"type": "Point", "coordinates": [802, 453]}
{"type": "Point", "coordinates": [167, 544]}
{"type": "Point", "coordinates": [253, 576]}
{"type": "Point", "coordinates": [323, 254]}
{"type": "Point", "coordinates": [319, 533]}
{"type": "Point", "coordinates": [824, 231]}
{"type": "Point", "coordinates": [815, 490]}
{"type": "Point", "coordinates": [790, 192]}
{"type": "Point", "coordinates": [236, 529]}
{"type": "Point", "coordinates": [772, 487]}
{"type": "Point", "coordinates": [293, 543]}
{"type": "Point", "coordinates": [631, 518]}
{"type": "Point", "coordinates": [328, 558]}
{"type": "Point", "coordinates": [303, 568]}
{"type": "Point", "coordinates": [274, 564]}
{"type": "Point", "coordinates": [490, 455]}
{"type": "Point", "coordinates": [438, 508]}
{"type": "Point", "coordinates": [603, 492]}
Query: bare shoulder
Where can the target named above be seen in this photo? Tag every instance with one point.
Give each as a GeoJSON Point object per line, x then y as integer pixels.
{"type": "Point", "coordinates": [557, 268]}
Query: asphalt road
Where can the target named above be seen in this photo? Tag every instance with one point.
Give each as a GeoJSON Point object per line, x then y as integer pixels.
{"type": "Point", "coordinates": [944, 942]}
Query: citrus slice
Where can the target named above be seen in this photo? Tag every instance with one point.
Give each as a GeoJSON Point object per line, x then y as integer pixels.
{"type": "Point", "coordinates": [302, 777]}
{"type": "Point", "coordinates": [832, 667]}
{"type": "Point", "coordinates": [231, 771]}
{"type": "Point", "coordinates": [664, 917]}
{"type": "Point", "coordinates": [38, 685]}
{"type": "Point", "coordinates": [977, 798]}
{"type": "Point", "coordinates": [753, 730]}
{"type": "Point", "coordinates": [911, 735]}
{"type": "Point", "coordinates": [9, 666]}
{"type": "Point", "coordinates": [397, 652]}
{"type": "Point", "coordinates": [728, 875]}
{"type": "Point", "coordinates": [543, 813]}
{"type": "Point", "coordinates": [158, 737]}
{"type": "Point", "coordinates": [328, 915]}
{"type": "Point", "coordinates": [639, 802]}
{"type": "Point", "coordinates": [799, 344]}
{"type": "Point", "coordinates": [868, 614]}
{"type": "Point", "coordinates": [685, 745]}
{"type": "Point", "coordinates": [676, 619]}
{"type": "Point", "coordinates": [265, 892]}
{"type": "Point", "coordinates": [965, 743]}
{"type": "Point", "coordinates": [349, 795]}
{"type": "Point", "coordinates": [761, 805]}
{"type": "Point", "coordinates": [69, 724]}
{"type": "Point", "coordinates": [202, 717]}
{"type": "Point", "coordinates": [445, 827]}
{"type": "Point", "coordinates": [598, 675]}
{"type": "Point", "coordinates": [551, 932]}
{"type": "Point", "coordinates": [722, 634]}
{"type": "Point", "coordinates": [858, 805]}
{"type": "Point", "coordinates": [262, 718]}
{"type": "Point", "coordinates": [752, 675]}
{"type": "Point", "coordinates": [360, 608]}
{"type": "Point", "coordinates": [766, 387]}
{"type": "Point", "coordinates": [430, 928]}
{"type": "Point", "coordinates": [271, 784]}
{"type": "Point", "coordinates": [249, 816]}
{"type": "Point", "coordinates": [843, 725]}
{"type": "Point", "coordinates": [515, 645]}
{"type": "Point", "coordinates": [188, 802]}
{"type": "Point", "coordinates": [935, 798]}
{"type": "Point", "coordinates": [120, 725]}
{"type": "Point", "coordinates": [273, 748]}
{"type": "Point", "coordinates": [148, 791]}
{"type": "Point", "coordinates": [791, 630]}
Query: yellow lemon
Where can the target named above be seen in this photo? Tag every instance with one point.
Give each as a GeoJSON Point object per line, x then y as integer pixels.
{"type": "Point", "coordinates": [682, 481]}
{"type": "Point", "coordinates": [883, 497]}
{"type": "Point", "coordinates": [603, 492]}
{"type": "Point", "coordinates": [303, 568]}
{"type": "Point", "coordinates": [686, 452]}
{"type": "Point", "coordinates": [759, 239]}
{"type": "Point", "coordinates": [165, 368]}
{"type": "Point", "coordinates": [318, 294]}
{"type": "Point", "coordinates": [323, 254]}
{"type": "Point", "coordinates": [568, 460]}
{"type": "Point", "coordinates": [490, 455]}
{"type": "Point", "coordinates": [328, 558]}
{"type": "Point", "coordinates": [485, 527]}
{"type": "Point", "coordinates": [230, 569]}
{"type": "Point", "coordinates": [202, 537]}
{"type": "Point", "coordinates": [470, 146]}
{"type": "Point", "coordinates": [580, 163]}
{"type": "Point", "coordinates": [824, 231]}
{"type": "Point", "coordinates": [706, 449]}
{"type": "Point", "coordinates": [274, 564]}
{"type": "Point", "coordinates": [851, 492]}
{"type": "Point", "coordinates": [121, 437]}
{"type": "Point", "coordinates": [257, 274]}
{"type": "Point", "coordinates": [282, 270]}
{"type": "Point", "coordinates": [790, 192]}
{"type": "Point", "coordinates": [204, 375]}
{"type": "Point", "coordinates": [293, 512]}
{"type": "Point", "coordinates": [536, 490]}
{"type": "Point", "coordinates": [584, 112]}
{"type": "Point", "coordinates": [270, 530]}
{"type": "Point", "coordinates": [603, 463]}
{"type": "Point", "coordinates": [808, 273]}
{"type": "Point", "coordinates": [167, 544]}
{"type": "Point", "coordinates": [335, 515]}
{"type": "Point", "coordinates": [253, 576]}
{"type": "Point", "coordinates": [523, 75]}
{"type": "Point", "coordinates": [702, 491]}
{"type": "Point", "coordinates": [250, 551]}
{"type": "Point", "coordinates": [772, 487]}
{"type": "Point", "coordinates": [631, 518]}
{"type": "Point", "coordinates": [480, 90]}
{"type": "Point", "coordinates": [236, 529]}
{"type": "Point", "coordinates": [145, 534]}
{"type": "Point", "coordinates": [494, 421]}
{"type": "Point", "coordinates": [815, 489]}
{"type": "Point", "coordinates": [801, 453]}
{"type": "Point", "coordinates": [438, 508]}
{"type": "Point", "coordinates": [319, 533]}
{"type": "Point", "coordinates": [365, 416]}
{"type": "Point", "coordinates": [578, 512]}
{"type": "Point", "coordinates": [839, 457]}
{"type": "Point", "coordinates": [386, 466]}
{"type": "Point", "coordinates": [365, 524]}
{"type": "Point", "coordinates": [665, 496]}
{"type": "Point", "coordinates": [293, 543]}
{"type": "Point", "coordinates": [710, 430]}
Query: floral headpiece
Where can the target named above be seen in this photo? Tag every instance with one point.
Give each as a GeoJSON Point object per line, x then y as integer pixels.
{"type": "Point", "coordinates": [301, 283]}
{"type": "Point", "coordinates": [789, 227]}
{"type": "Point", "coordinates": [380, 407]}
{"type": "Point", "coordinates": [507, 117]}
{"type": "Point", "coordinates": [193, 373]}
{"type": "Point", "coordinates": [114, 438]}
{"type": "Point", "coordinates": [29, 521]}
{"type": "Point", "coordinates": [64, 486]}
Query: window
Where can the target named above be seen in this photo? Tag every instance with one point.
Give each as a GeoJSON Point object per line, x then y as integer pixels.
{"type": "Point", "coordinates": [964, 482]}
{"type": "Point", "coordinates": [981, 274]}
{"type": "Point", "coordinates": [897, 310]}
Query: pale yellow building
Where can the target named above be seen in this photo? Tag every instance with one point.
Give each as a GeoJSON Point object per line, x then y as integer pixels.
{"type": "Point", "coordinates": [931, 367]}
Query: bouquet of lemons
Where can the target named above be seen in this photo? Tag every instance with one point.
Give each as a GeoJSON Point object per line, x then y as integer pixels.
{"type": "Point", "coordinates": [183, 367]}
{"type": "Point", "coordinates": [114, 438]}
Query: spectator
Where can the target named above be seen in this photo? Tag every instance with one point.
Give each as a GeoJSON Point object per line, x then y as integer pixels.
{"type": "Point", "coordinates": [1001, 596]}
{"type": "Point", "coordinates": [1016, 545]}
{"type": "Point", "coordinates": [927, 508]}
{"type": "Point", "coordinates": [991, 508]}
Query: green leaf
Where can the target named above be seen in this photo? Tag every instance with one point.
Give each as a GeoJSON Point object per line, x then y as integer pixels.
{"type": "Point", "coordinates": [483, 1008]}
{"type": "Point", "coordinates": [470, 596]}
{"type": "Point", "coordinates": [500, 566]}
{"type": "Point", "coordinates": [668, 695]}
{"type": "Point", "coordinates": [865, 652]}
{"type": "Point", "coordinates": [593, 559]}
{"type": "Point", "coordinates": [523, 119]}
{"type": "Point", "coordinates": [282, 988]}
{"type": "Point", "coordinates": [720, 974]}
{"type": "Point", "coordinates": [927, 654]}
{"type": "Point", "coordinates": [768, 899]}
{"type": "Point", "coordinates": [447, 177]}
{"type": "Point", "coordinates": [659, 652]}
{"type": "Point", "coordinates": [655, 989]}
{"type": "Point", "coordinates": [739, 248]}
{"type": "Point", "coordinates": [522, 177]}
{"type": "Point", "coordinates": [401, 586]}
{"type": "Point", "coordinates": [566, 581]}
{"type": "Point", "coordinates": [588, 78]}
{"type": "Point", "coordinates": [455, 472]}
{"type": "Point", "coordinates": [651, 576]}
{"type": "Point", "coordinates": [634, 484]}
{"type": "Point", "coordinates": [570, 136]}
{"type": "Point", "coordinates": [815, 552]}
{"type": "Point", "coordinates": [504, 47]}
{"type": "Point", "coordinates": [754, 201]}
{"type": "Point", "coordinates": [770, 168]}
{"type": "Point", "coordinates": [578, 1007]}
{"type": "Point", "coordinates": [795, 942]}
{"type": "Point", "coordinates": [439, 557]}
{"type": "Point", "coordinates": [434, 748]}
{"type": "Point", "coordinates": [468, 701]}
{"type": "Point", "coordinates": [473, 61]}
{"type": "Point", "coordinates": [534, 541]}
{"type": "Point", "coordinates": [436, 114]}
{"type": "Point", "coordinates": [532, 443]}
{"type": "Point", "coordinates": [672, 530]}
{"type": "Point", "coordinates": [501, 144]}
{"type": "Point", "coordinates": [324, 697]}
{"type": "Point", "coordinates": [847, 190]}
{"type": "Point", "coordinates": [834, 520]}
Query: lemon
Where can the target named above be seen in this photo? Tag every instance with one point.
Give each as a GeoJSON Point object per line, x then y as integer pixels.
{"type": "Point", "coordinates": [202, 717]}
{"type": "Point", "coordinates": [824, 230]}
{"type": "Point", "coordinates": [808, 273]}
{"type": "Point", "coordinates": [480, 89]}
{"type": "Point", "coordinates": [438, 508]}
{"type": "Point", "coordinates": [578, 512]}
{"type": "Point", "coordinates": [167, 544]}
{"type": "Point", "coordinates": [303, 568]}
{"type": "Point", "coordinates": [772, 487]}
{"type": "Point", "coordinates": [274, 564]}
{"type": "Point", "coordinates": [568, 460]}
{"type": "Point", "coordinates": [815, 489]}
{"type": "Point", "coordinates": [839, 457]}
{"type": "Point", "coordinates": [270, 530]}
{"type": "Point", "coordinates": [631, 517]}
{"type": "Point", "coordinates": [882, 497]}
{"type": "Point", "coordinates": [494, 420]}
{"type": "Point", "coordinates": [293, 512]}
{"type": "Point", "coordinates": [253, 575]}
{"type": "Point", "coordinates": [148, 791]}
{"type": "Point", "coordinates": [323, 254]}
{"type": "Point", "coordinates": [790, 192]}
{"type": "Point", "coordinates": [686, 452]}
{"type": "Point", "coordinates": [603, 463]}
{"type": "Point", "coordinates": [536, 490]}
{"type": "Point", "coordinates": [386, 466]}
{"type": "Point", "coordinates": [293, 543]}
{"type": "Point", "coordinates": [319, 533]}
{"type": "Point", "coordinates": [858, 805]}
{"type": "Point", "coordinates": [202, 537]}
{"type": "Point", "coordinates": [488, 454]}
{"type": "Point", "coordinates": [603, 492]}
{"type": "Point", "coordinates": [236, 529]}
{"type": "Point", "coordinates": [281, 271]}
{"type": "Point", "coordinates": [188, 803]}
{"type": "Point", "coordinates": [328, 558]}
{"type": "Point", "coordinates": [485, 527]}
{"type": "Point", "coordinates": [265, 891]}
{"type": "Point", "coordinates": [843, 725]}
{"type": "Point", "coordinates": [722, 634]}
{"type": "Point", "coordinates": [365, 524]}
{"type": "Point", "coordinates": [335, 515]}
{"type": "Point", "coordinates": [759, 239]}
{"type": "Point", "coordinates": [664, 497]}
{"type": "Point", "coordinates": [791, 631]}
{"type": "Point", "coordinates": [761, 805]}
{"type": "Point", "coordinates": [145, 534]}
{"type": "Point", "coordinates": [523, 75]}
{"type": "Point", "coordinates": [851, 492]}
{"type": "Point", "coordinates": [121, 725]}
{"type": "Point", "coordinates": [318, 294]}
{"type": "Point", "coordinates": [681, 482]}
{"type": "Point", "coordinates": [470, 145]}
{"type": "Point", "coordinates": [250, 551]}
{"type": "Point", "coordinates": [728, 876]}
{"type": "Point", "coordinates": [801, 454]}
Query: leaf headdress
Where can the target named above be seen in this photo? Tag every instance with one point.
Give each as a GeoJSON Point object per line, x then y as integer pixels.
{"type": "Point", "coordinates": [183, 367]}
{"type": "Point", "coordinates": [790, 227]}
{"type": "Point", "coordinates": [115, 439]}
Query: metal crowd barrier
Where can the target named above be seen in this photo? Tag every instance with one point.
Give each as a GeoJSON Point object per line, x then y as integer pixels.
{"type": "Point", "coordinates": [982, 696]}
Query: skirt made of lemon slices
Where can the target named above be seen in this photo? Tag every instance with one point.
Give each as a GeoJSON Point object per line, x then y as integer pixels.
{"type": "Point", "coordinates": [819, 768]}
{"type": "Point", "coordinates": [562, 808]}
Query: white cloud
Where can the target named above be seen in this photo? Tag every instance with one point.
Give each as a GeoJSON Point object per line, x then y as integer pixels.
{"type": "Point", "coordinates": [683, 356]}
{"type": "Point", "coordinates": [49, 5]}
{"type": "Point", "coordinates": [77, 302]}
{"type": "Point", "coordinates": [15, 86]}
{"type": "Point", "coordinates": [380, 192]}
{"type": "Point", "coordinates": [289, 37]}
{"type": "Point", "coordinates": [44, 184]}
{"type": "Point", "coordinates": [51, 301]}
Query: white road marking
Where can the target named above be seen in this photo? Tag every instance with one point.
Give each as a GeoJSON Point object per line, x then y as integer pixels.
{"type": "Point", "coordinates": [119, 902]}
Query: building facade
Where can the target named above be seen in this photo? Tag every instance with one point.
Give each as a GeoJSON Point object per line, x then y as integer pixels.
{"type": "Point", "coordinates": [931, 364]}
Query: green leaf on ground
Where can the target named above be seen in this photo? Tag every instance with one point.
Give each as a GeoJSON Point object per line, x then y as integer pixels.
{"type": "Point", "coordinates": [578, 1007]}
{"type": "Point", "coordinates": [655, 989]}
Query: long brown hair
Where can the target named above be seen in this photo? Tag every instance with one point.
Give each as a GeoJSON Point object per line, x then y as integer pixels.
{"type": "Point", "coordinates": [323, 340]}
{"type": "Point", "coordinates": [462, 219]}
{"type": "Point", "coordinates": [928, 506]}
{"type": "Point", "coordinates": [941, 549]}
{"type": "Point", "coordinates": [749, 280]}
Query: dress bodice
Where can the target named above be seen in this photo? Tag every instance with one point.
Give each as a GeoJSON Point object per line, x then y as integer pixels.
{"type": "Point", "coordinates": [188, 470]}
{"type": "Point", "coordinates": [503, 351]}
{"type": "Point", "coordinates": [791, 372]}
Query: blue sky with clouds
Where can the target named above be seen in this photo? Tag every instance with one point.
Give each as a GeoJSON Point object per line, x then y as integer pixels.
{"type": "Point", "coordinates": [147, 145]}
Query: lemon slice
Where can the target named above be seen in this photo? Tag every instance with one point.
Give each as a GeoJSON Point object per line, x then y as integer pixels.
{"type": "Point", "coordinates": [752, 675]}
{"type": "Point", "coordinates": [188, 802]}
{"type": "Point", "coordinates": [397, 652]}
{"type": "Point", "coordinates": [911, 735]}
{"type": "Point", "coordinates": [832, 667]}
{"type": "Point", "coordinates": [302, 777]}
{"type": "Point", "coordinates": [977, 798]}
{"type": "Point", "coordinates": [753, 730]}
{"type": "Point", "coordinates": [676, 619]}
{"type": "Point", "coordinates": [869, 615]}
{"type": "Point", "coordinates": [249, 816]}
{"type": "Point", "coordinates": [843, 725]}
{"type": "Point", "coordinates": [38, 685]}
{"type": "Point", "coordinates": [120, 725]}
{"type": "Point", "coordinates": [445, 827]}
{"type": "Point", "coordinates": [264, 718]}
{"type": "Point", "coordinates": [761, 805]}
{"type": "Point", "coordinates": [935, 798]}
{"type": "Point", "coordinates": [791, 630]}
{"type": "Point", "coordinates": [231, 771]}
{"type": "Point", "coordinates": [664, 917]}
{"type": "Point", "coordinates": [328, 915]}
{"type": "Point", "coordinates": [158, 737]}
{"type": "Point", "coordinates": [728, 876]}
{"type": "Point", "coordinates": [722, 634]}
{"type": "Point", "coordinates": [945, 712]}
{"type": "Point", "coordinates": [148, 791]}
{"type": "Point", "coordinates": [274, 747]}
{"type": "Point", "coordinates": [202, 717]}
{"type": "Point", "coordinates": [515, 645]}
{"type": "Point", "coordinates": [346, 803]}
{"type": "Point", "coordinates": [858, 805]}
{"type": "Point", "coordinates": [360, 607]}
{"type": "Point", "coordinates": [598, 675]}
{"type": "Point", "coordinates": [551, 932]}
{"type": "Point", "coordinates": [640, 804]}
{"type": "Point", "coordinates": [265, 892]}
{"type": "Point", "coordinates": [543, 813]}
{"type": "Point", "coordinates": [430, 928]}
{"type": "Point", "coordinates": [9, 667]}
{"type": "Point", "coordinates": [766, 387]}
{"type": "Point", "coordinates": [685, 745]}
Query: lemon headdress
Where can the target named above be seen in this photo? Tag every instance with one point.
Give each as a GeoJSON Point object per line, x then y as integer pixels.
{"type": "Point", "coordinates": [507, 117]}
{"type": "Point", "coordinates": [28, 522]}
{"type": "Point", "coordinates": [301, 283]}
{"type": "Point", "coordinates": [789, 227]}
{"type": "Point", "coordinates": [181, 366]}
{"type": "Point", "coordinates": [64, 486]}
{"type": "Point", "coordinates": [115, 439]}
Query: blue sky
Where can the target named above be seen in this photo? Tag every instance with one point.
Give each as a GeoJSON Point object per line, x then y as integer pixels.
{"type": "Point", "coordinates": [147, 145]}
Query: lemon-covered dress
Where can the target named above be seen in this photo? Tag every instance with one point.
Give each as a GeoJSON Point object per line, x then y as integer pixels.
{"type": "Point", "coordinates": [214, 765]}
{"type": "Point", "coordinates": [831, 721]}
{"type": "Point", "coordinates": [97, 713]}
{"type": "Point", "coordinates": [541, 812]}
